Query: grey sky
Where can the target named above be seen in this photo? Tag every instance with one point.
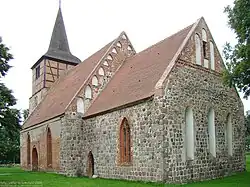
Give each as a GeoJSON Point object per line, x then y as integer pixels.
{"type": "Point", "coordinates": [26, 27]}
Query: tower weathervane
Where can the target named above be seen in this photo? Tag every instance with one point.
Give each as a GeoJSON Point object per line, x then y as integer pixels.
{"type": "Point", "coordinates": [60, 3]}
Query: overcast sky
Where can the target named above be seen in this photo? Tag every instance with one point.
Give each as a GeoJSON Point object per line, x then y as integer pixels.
{"type": "Point", "coordinates": [26, 27]}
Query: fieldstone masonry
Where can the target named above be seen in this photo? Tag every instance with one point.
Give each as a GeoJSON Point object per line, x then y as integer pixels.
{"type": "Point", "coordinates": [157, 127]}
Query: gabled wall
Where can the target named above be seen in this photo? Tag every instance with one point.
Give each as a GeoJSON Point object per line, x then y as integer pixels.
{"type": "Point", "coordinates": [200, 88]}
{"type": "Point", "coordinates": [118, 52]}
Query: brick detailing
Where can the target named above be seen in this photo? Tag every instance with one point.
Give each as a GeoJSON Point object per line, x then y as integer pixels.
{"type": "Point", "coordinates": [46, 139]}
{"type": "Point", "coordinates": [90, 168]}
{"type": "Point", "coordinates": [34, 159]}
{"type": "Point", "coordinates": [125, 148]}
{"type": "Point", "coordinates": [49, 149]}
{"type": "Point", "coordinates": [118, 52]}
{"type": "Point", "coordinates": [28, 150]}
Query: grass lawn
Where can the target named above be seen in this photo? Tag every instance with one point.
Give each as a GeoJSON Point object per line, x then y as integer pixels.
{"type": "Point", "coordinates": [16, 177]}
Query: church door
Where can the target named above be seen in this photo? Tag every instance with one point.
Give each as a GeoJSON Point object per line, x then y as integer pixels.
{"type": "Point", "coordinates": [34, 160]}
{"type": "Point", "coordinates": [90, 167]}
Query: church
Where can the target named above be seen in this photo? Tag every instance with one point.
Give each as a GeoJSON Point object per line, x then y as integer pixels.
{"type": "Point", "coordinates": [162, 114]}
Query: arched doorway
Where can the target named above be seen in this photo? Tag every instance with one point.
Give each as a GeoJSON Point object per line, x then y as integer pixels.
{"type": "Point", "coordinates": [34, 159]}
{"type": "Point", "coordinates": [49, 149]}
{"type": "Point", "coordinates": [90, 166]}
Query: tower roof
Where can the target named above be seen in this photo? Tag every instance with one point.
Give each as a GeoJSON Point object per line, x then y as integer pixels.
{"type": "Point", "coordinates": [59, 47]}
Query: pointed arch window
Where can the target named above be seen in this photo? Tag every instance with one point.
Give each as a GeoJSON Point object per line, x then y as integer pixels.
{"type": "Point", "coordinates": [198, 49]}
{"type": "Point", "coordinates": [229, 135]}
{"type": "Point", "coordinates": [95, 81]}
{"type": "Point", "coordinates": [28, 149]}
{"type": "Point", "coordinates": [49, 149]}
{"type": "Point", "coordinates": [80, 105]}
{"type": "Point", "coordinates": [212, 56]}
{"type": "Point", "coordinates": [88, 92]}
{"type": "Point", "coordinates": [125, 142]}
{"type": "Point", "coordinates": [189, 133]}
{"type": "Point", "coordinates": [204, 43]}
{"type": "Point", "coordinates": [211, 132]}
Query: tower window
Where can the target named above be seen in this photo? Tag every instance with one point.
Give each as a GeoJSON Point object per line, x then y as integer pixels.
{"type": "Point", "coordinates": [37, 72]}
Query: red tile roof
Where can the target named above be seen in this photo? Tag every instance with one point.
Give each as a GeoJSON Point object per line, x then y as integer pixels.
{"type": "Point", "coordinates": [61, 93]}
{"type": "Point", "coordinates": [137, 77]}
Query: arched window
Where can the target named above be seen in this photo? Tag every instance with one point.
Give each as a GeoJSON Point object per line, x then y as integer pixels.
{"type": "Point", "coordinates": [198, 49]}
{"type": "Point", "coordinates": [110, 57]}
{"type": "Point", "coordinates": [95, 81]}
{"type": "Point", "coordinates": [101, 71]}
{"type": "Point", "coordinates": [80, 105]}
{"type": "Point", "coordinates": [229, 135]}
{"type": "Point", "coordinates": [189, 133]}
{"type": "Point", "coordinates": [88, 92]}
{"type": "Point", "coordinates": [211, 132]}
{"type": "Point", "coordinates": [204, 43]}
{"type": "Point", "coordinates": [125, 140]}
{"type": "Point", "coordinates": [28, 149]}
{"type": "Point", "coordinates": [49, 149]}
{"type": "Point", "coordinates": [212, 56]}
{"type": "Point", "coordinates": [119, 44]}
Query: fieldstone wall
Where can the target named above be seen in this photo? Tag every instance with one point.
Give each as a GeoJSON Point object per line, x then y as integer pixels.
{"type": "Point", "coordinates": [71, 145]}
{"type": "Point", "coordinates": [188, 86]}
{"type": "Point", "coordinates": [100, 135]}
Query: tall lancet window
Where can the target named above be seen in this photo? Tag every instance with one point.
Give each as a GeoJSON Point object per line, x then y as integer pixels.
{"type": "Point", "coordinates": [198, 49]}
{"type": "Point", "coordinates": [212, 56]}
{"type": "Point", "coordinates": [125, 142]}
{"type": "Point", "coordinates": [229, 135]}
{"type": "Point", "coordinates": [49, 149]}
{"type": "Point", "coordinates": [88, 92]}
{"type": "Point", "coordinates": [189, 133]}
{"type": "Point", "coordinates": [28, 150]}
{"type": "Point", "coordinates": [211, 132]}
{"type": "Point", "coordinates": [80, 105]}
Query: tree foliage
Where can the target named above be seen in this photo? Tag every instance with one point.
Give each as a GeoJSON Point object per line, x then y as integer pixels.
{"type": "Point", "coordinates": [25, 114]}
{"type": "Point", "coordinates": [238, 56]}
{"type": "Point", "coordinates": [5, 57]}
{"type": "Point", "coordinates": [9, 117]}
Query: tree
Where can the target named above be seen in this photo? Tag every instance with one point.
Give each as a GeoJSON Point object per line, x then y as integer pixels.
{"type": "Point", "coordinates": [25, 113]}
{"type": "Point", "coordinates": [238, 56]}
{"type": "Point", "coordinates": [5, 57]}
{"type": "Point", "coordinates": [9, 117]}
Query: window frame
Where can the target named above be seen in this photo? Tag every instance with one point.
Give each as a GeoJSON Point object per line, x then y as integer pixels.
{"type": "Point", "coordinates": [125, 156]}
{"type": "Point", "coordinates": [38, 72]}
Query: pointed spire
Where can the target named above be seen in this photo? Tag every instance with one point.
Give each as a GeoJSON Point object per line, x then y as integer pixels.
{"type": "Point", "coordinates": [59, 47]}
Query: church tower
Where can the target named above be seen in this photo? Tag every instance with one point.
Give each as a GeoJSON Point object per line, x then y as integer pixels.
{"type": "Point", "coordinates": [52, 64]}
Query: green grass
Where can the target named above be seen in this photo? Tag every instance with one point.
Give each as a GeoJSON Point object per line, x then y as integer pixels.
{"type": "Point", "coordinates": [17, 177]}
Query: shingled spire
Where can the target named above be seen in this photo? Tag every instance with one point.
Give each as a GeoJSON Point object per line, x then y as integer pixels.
{"type": "Point", "coordinates": [59, 47]}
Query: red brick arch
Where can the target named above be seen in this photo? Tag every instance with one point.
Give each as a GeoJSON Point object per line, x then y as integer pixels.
{"type": "Point", "coordinates": [28, 150]}
{"type": "Point", "coordinates": [34, 159]}
{"type": "Point", "coordinates": [125, 142]}
{"type": "Point", "coordinates": [49, 148]}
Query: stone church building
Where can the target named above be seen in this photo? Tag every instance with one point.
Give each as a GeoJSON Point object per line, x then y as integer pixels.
{"type": "Point", "coordinates": [162, 114]}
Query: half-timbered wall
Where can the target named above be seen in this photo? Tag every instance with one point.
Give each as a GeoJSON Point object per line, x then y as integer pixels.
{"type": "Point", "coordinates": [49, 72]}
